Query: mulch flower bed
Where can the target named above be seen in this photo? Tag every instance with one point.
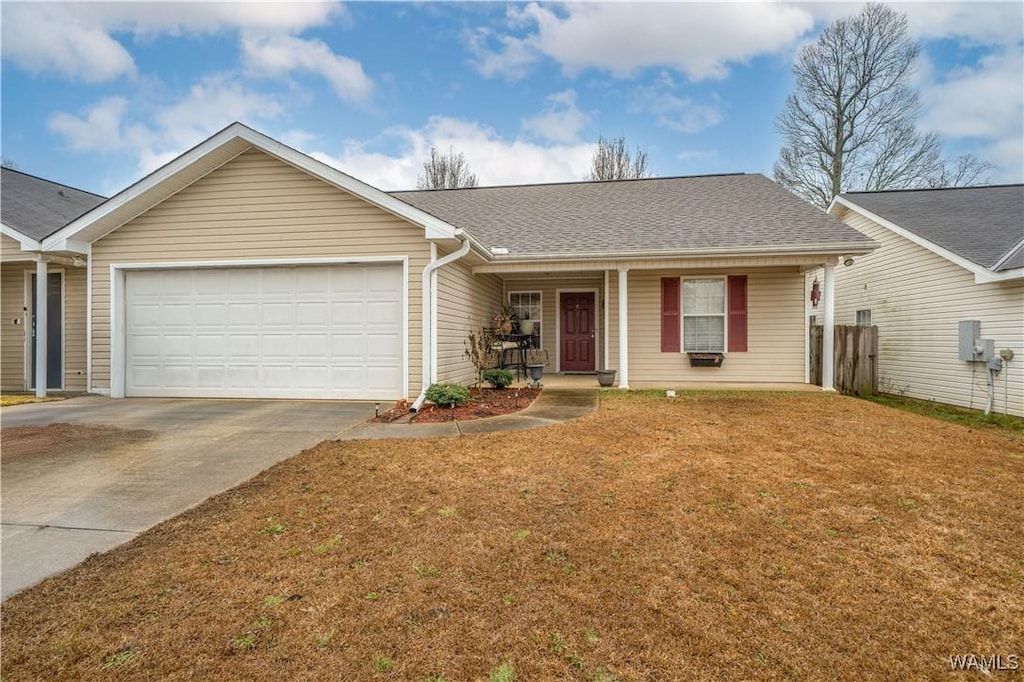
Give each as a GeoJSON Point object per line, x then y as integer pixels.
{"type": "Point", "coordinates": [482, 402]}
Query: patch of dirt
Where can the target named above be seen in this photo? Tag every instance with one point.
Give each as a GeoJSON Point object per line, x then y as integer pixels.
{"type": "Point", "coordinates": [718, 537]}
{"type": "Point", "coordinates": [77, 439]}
{"type": "Point", "coordinates": [482, 402]}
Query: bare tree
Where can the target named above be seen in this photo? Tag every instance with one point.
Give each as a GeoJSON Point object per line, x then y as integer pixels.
{"type": "Point", "coordinates": [446, 171]}
{"type": "Point", "coordinates": [8, 162]}
{"type": "Point", "coordinates": [613, 161]}
{"type": "Point", "coordinates": [962, 171]}
{"type": "Point", "coordinates": [851, 123]}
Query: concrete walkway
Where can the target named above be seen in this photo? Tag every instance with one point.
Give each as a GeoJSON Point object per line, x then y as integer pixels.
{"type": "Point", "coordinates": [551, 407]}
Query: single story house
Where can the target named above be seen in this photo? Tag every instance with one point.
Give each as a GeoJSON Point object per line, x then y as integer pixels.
{"type": "Point", "coordinates": [31, 209]}
{"type": "Point", "coordinates": [244, 268]}
{"type": "Point", "coordinates": [946, 256]}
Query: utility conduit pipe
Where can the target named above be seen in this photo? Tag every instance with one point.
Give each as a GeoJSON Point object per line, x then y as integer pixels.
{"type": "Point", "coordinates": [430, 315]}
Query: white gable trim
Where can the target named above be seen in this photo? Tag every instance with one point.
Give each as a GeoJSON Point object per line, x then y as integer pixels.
{"type": "Point", "coordinates": [434, 228]}
{"type": "Point", "coordinates": [982, 274]}
{"type": "Point", "coordinates": [27, 243]}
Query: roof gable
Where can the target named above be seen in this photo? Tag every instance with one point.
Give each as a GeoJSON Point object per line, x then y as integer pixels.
{"type": "Point", "coordinates": [716, 213]}
{"type": "Point", "coordinates": [979, 228]}
{"type": "Point", "coordinates": [36, 208]}
{"type": "Point", "coordinates": [210, 155]}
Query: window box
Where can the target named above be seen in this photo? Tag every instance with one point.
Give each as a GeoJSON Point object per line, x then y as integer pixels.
{"type": "Point", "coordinates": [706, 359]}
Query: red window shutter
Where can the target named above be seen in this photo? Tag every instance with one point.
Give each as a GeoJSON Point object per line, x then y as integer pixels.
{"type": "Point", "coordinates": [738, 314]}
{"type": "Point", "coordinates": [669, 314]}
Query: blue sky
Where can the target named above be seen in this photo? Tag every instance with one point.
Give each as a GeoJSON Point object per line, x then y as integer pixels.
{"type": "Point", "coordinates": [96, 95]}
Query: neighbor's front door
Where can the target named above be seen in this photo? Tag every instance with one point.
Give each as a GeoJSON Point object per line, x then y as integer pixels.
{"type": "Point", "coordinates": [54, 332]}
{"type": "Point", "coordinates": [576, 331]}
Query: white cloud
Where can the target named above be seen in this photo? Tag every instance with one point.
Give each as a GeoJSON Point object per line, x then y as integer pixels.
{"type": "Point", "coordinates": [671, 111]}
{"type": "Point", "coordinates": [279, 55]}
{"type": "Point", "coordinates": [39, 37]}
{"type": "Point", "coordinates": [699, 40]}
{"type": "Point", "coordinates": [561, 120]}
{"type": "Point", "coordinates": [76, 39]}
{"type": "Point", "coordinates": [495, 160]}
{"type": "Point", "coordinates": [985, 106]}
{"type": "Point", "coordinates": [111, 125]}
{"type": "Point", "coordinates": [985, 23]}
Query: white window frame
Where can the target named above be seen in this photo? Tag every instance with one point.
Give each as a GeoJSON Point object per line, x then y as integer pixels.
{"type": "Point", "coordinates": [857, 317]}
{"type": "Point", "coordinates": [540, 308]}
{"type": "Point", "coordinates": [683, 313]}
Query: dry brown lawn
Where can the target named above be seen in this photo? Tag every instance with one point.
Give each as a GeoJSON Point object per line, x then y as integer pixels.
{"type": "Point", "coordinates": [713, 537]}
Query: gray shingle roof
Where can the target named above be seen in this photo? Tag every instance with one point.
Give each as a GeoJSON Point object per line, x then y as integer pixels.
{"type": "Point", "coordinates": [982, 224]}
{"type": "Point", "coordinates": [634, 216]}
{"type": "Point", "coordinates": [37, 207]}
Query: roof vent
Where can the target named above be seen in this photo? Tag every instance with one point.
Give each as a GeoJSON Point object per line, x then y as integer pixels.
{"type": "Point", "coordinates": [499, 250]}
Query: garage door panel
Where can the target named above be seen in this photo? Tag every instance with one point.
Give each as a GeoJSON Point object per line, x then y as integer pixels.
{"type": "Point", "coordinates": [277, 314]}
{"type": "Point", "coordinates": [243, 282]}
{"type": "Point", "coordinates": [243, 314]}
{"type": "Point", "coordinates": [303, 332]}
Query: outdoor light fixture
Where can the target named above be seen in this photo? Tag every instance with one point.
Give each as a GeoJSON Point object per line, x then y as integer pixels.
{"type": "Point", "coordinates": [847, 261]}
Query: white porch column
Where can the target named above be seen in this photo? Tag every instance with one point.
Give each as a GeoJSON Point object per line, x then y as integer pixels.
{"type": "Point", "coordinates": [623, 328]}
{"type": "Point", "coordinates": [828, 350]}
{"type": "Point", "coordinates": [41, 319]}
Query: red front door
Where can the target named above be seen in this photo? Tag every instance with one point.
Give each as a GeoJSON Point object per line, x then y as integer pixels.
{"type": "Point", "coordinates": [576, 331]}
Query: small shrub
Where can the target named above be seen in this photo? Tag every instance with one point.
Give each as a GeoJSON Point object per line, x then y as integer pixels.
{"type": "Point", "coordinates": [447, 394]}
{"type": "Point", "coordinates": [498, 378]}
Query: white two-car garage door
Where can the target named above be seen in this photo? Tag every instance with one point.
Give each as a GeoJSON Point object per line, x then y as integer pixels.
{"type": "Point", "coordinates": [331, 331]}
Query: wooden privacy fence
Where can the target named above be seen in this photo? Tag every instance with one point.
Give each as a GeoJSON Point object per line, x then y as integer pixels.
{"type": "Point", "coordinates": [856, 359]}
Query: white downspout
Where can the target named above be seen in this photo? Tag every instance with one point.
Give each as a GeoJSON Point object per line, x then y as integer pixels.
{"type": "Point", "coordinates": [430, 315]}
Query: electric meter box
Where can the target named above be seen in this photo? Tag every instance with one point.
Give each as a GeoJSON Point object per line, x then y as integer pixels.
{"type": "Point", "coordinates": [970, 333]}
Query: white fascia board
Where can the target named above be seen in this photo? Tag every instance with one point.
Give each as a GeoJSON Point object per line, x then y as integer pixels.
{"type": "Point", "coordinates": [26, 242]}
{"type": "Point", "coordinates": [986, 276]}
{"type": "Point", "coordinates": [981, 274]}
{"type": "Point", "coordinates": [71, 245]}
{"type": "Point", "coordinates": [434, 228]}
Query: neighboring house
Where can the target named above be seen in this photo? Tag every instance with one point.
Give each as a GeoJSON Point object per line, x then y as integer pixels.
{"type": "Point", "coordinates": [30, 210]}
{"type": "Point", "coordinates": [946, 255]}
{"type": "Point", "coordinates": [244, 268]}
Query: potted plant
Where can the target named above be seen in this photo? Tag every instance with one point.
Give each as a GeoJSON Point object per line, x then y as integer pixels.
{"type": "Point", "coordinates": [606, 377]}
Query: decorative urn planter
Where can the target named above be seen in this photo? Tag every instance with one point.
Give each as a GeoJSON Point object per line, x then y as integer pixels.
{"type": "Point", "coordinates": [526, 327]}
{"type": "Point", "coordinates": [606, 377]}
{"type": "Point", "coordinates": [536, 372]}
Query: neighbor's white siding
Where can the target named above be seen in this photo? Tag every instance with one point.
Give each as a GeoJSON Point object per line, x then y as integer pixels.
{"type": "Point", "coordinates": [917, 299]}
{"type": "Point", "coordinates": [775, 329]}
{"type": "Point", "coordinates": [256, 207]}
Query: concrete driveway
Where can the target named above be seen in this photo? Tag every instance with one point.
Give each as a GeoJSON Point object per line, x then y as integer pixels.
{"type": "Point", "coordinates": [59, 506]}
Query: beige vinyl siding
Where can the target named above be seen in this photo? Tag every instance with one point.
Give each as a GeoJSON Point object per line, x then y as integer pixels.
{"type": "Point", "coordinates": [10, 249]}
{"type": "Point", "coordinates": [257, 207]}
{"type": "Point", "coordinates": [75, 284]}
{"type": "Point", "coordinates": [917, 299]}
{"type": "Point", "coordinates": [12, 338]}
{"type": "Point", "coordinates": [775, 329]}
{"type": "Point", "coordinates": [13, 283]}
{"type": "Point", "coordinates": [549, 317]}
{"type": "Point", "coordinates": [464, 303]}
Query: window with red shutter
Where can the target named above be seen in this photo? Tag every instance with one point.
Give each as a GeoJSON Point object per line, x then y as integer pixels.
{"type": "Point", "coordinates": [737, 313]}
{"type": "Point", "coordinates": [669, 314]}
